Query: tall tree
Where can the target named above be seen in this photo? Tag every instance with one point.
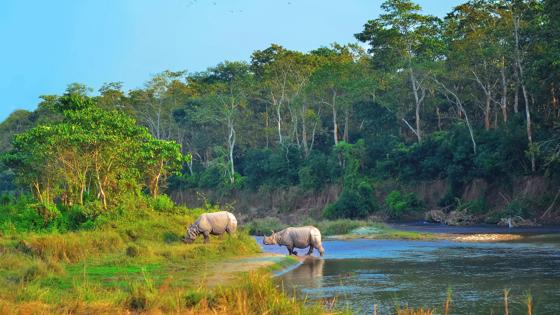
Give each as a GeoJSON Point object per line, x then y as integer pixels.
{"type": "Point", "coordinates": [405, 41]}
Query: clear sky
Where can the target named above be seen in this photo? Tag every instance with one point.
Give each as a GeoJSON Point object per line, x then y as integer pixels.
{"type": "Point", "coordinates": [45, 45]}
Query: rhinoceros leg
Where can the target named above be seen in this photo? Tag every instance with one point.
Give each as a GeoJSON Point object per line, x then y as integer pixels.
{"type": "Point", "coordinates": [321, 250]}
{"type": "Point", "coordinates": [310, 251]}
{"type": "Point", "coordinates": [206, 237]}
{"type": "Point", "coordinates": [291, 251]}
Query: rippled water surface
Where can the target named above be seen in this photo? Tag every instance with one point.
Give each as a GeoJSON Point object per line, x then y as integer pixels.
{"type": "Point", "coordinates": [361, 273]}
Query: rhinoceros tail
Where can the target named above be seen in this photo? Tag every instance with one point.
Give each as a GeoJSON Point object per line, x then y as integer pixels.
{"type": "Point", "coordinates": [316, 240]}
{"type": "Point", "coordinates": [232, 224]}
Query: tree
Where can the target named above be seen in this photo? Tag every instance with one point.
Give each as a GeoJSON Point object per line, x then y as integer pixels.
{"type": "Point", "coordinates": [478, 43]}
{"type": "Point", "coordinates": [225, 88]}
{"type": "Point", "coordinates": [90, 145]}
{"type": "Point", "coordinates": [159, 159]}
{"type": "Point", "coordinates": [281, 75]}
{"type": "Point", "coordinates": [340, 81]}
{"type": "Point", "coordinates": [404, 41]}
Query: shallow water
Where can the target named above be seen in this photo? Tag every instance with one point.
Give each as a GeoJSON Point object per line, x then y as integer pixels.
{"type": "Point", "coordinates": [361, 273]}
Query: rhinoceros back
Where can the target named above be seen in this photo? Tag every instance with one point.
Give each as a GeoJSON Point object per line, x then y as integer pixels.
{"type": "Point", "coordinates": [301, 237]}
{"type": "Point", "coordinates": [217, 223]}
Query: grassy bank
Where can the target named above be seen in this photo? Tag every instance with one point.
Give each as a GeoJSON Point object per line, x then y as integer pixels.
{"type": "Point", "coordinates": [341, 229]}
{"type": "Point", "coordinates": [133, 262]}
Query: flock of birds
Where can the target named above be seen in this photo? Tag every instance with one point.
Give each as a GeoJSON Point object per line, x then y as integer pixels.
{"type": "Point", "coordinates": [193, 2]}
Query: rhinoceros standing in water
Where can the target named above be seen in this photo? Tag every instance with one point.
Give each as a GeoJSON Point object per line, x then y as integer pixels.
{"type": "Point", "coordinates": [215, 223]}
{"type": "Point", "coordinates": [297, 237]}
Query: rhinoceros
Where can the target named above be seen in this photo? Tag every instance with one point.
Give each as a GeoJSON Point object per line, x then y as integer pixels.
{"type": "Point", "coordinates": [297, 237]}
{"type": "Point", "coordinates": [215, 223]}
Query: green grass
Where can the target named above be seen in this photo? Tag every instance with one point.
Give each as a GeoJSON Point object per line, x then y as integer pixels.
{"type": "Point", "coordinates": [135, 263]}
{"type": "Point", "coordinates": [374, 230]}
{"type": "Point", "coordinates": [283, 263]}
{"type": "Point", "coordinates": [341, 229]}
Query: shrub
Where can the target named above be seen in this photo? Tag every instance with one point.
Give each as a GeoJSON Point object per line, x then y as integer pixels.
{"type": "Point", "coordinates": [162, 203]}
{"type": "Point", "coordinates": [264, 226]}
{"type": "Point", "coordinates": [36, 270]}
{"type": "Point", "coordinates": [275, 168]}
{"type": "Point", "coordinates": [316, 172]}
{"type": "Point", "coordinates": [522, 207]}
{"type": "Point", "coordinates": [339, 227]}
{"type": "Point", "coordinates": [399, 203]}
{"type": "Point", "coordinates": [192, 298]}
{"type": "Point", "coordinates": [171, 237]}
{"type": "Point", "coordinates": [352, 203]}
{"type": "Point", "coordinates": [133, 250]}
{"type": "Point", "coordinates": [477, 206]}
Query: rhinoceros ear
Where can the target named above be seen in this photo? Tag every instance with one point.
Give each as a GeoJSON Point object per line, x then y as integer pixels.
{"type": "Point", "coordinates": [272, 231]}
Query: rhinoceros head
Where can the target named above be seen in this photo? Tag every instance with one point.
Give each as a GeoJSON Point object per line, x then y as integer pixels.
{"type": "Point", "coordinates": [270, 240]}
{"type": "Point", "coordinates": [191, 234]}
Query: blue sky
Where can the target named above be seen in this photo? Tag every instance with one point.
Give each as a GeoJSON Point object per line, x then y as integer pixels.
{"type": "Point", "coordinates": [45, 45]}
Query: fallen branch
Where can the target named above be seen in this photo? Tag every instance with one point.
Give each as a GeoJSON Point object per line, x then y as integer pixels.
{"type": "Point", "coordinates": [547, 212]}
{"type": "Point", "coordinates": [507, 200]}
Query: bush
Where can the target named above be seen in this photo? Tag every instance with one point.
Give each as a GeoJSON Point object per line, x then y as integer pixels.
{"type": "Point", "coordinates": [133, 250]}
{"type": "Point", "coordinates": [275, 168]}
{"type": "Point", "coordinates": [399, 204]}
{"type": "Point", "coordinates": [265, 226]}
{"type": "Point", "coordinates": [211, 177]}
{"type": "Point", "coordinates": [522, 207]}
{"type": "Point", "coordinates": [352, 203]}
{"type": "Point", "coordinates": [21, 215]}
{"type": "Point", "coordinates": [162, 203]}
{"type": "Point", "coordinates": [339, 227]}
{"type": "Point", "coordinates": [477, 206]}
{"type": "Point", "coordinates": [316, 172]}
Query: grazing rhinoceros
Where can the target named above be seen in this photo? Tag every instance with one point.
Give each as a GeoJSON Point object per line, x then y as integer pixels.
{"type": "Point", "coordinates": [215, 223]}
{"type": "Point", "coordinates": [297, 237]}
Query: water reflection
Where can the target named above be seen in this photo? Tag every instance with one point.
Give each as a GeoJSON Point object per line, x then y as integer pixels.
{"type": "Point", "coordinates": [362, 273]}
{"type": "Point", "coordinates": [308, 274]}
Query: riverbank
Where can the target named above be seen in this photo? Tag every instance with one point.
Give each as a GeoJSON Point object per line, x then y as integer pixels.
{"type": "Point", "coordinates": [426, 232]}
{"type": "Point", "coordinates": [139, 264]}
{"type": "Point", "coordinates": [391, 274]}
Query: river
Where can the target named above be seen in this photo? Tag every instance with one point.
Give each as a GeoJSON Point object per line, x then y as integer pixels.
{"type": "Point", "coordinates": [363, 273]}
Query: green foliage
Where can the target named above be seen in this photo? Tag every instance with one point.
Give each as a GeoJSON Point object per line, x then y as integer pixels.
{"type": "Point", "coordinates": [339, 227]}
{"type": "Point", "coordinates": [162, 203]}
{"type": "Point", "coordinates": [90, 152]}
{"type": "Point", "coordinates": [353, 203]}
{"type": "Point", "coordinates": [356, 201]}
{"type": "Point", "coordinates": [399, 204]}
{"type": "Point", "coordinates": [523, 207]}
{"type": "Point", "coordinates": [264, 226]}
{"type": "Point", "coordinates": [478, 206]}
{"type": "Point", "coordinates": [317, 171]}
{"type": "Point", "coordinates": [274, 168]}
{"type": "Point", "coordinates": [328, 116]}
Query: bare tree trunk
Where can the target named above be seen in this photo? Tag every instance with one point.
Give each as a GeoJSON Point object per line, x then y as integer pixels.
{"type": "Point", "coordinates": [438, 113]}
{"type": "Point", "coordinates": [231, 146]}
{"type": "Point", "coordinates": [304, 130]}
{"type": "Point", "coordinates": [334, 118]}
{"type": "Point", "coordinates": [516, 93]}
{"type": "Point", "coordinates": [313, 133]}
{"type": "Point", "coordinates": [418, 103]}
{"type": "Point", "coordinates": [553, 100]}
{"type": "Point", "coordinates": [101, 190]}
{"type": "Point", "coordinates": [154, 185]}
{"type": "Point", "coordinates": [487, 113]}
{"type": "Point", "coordinates": [519, 61]}
{"type": "Point", "coordinates": [346, 124]}
{"type": "Point", "coordinates": [38, 194]}
{"type": "Point", "coordinates": [461, 109]}
{"type": "Point", "coordinates": [503, 103]}
{"type": "Point", "coordinates": [486, 89]}
{"type": "Point", "coordinates": [279, 123]}
{"type": "Point", "coordinates": [266, 124]}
